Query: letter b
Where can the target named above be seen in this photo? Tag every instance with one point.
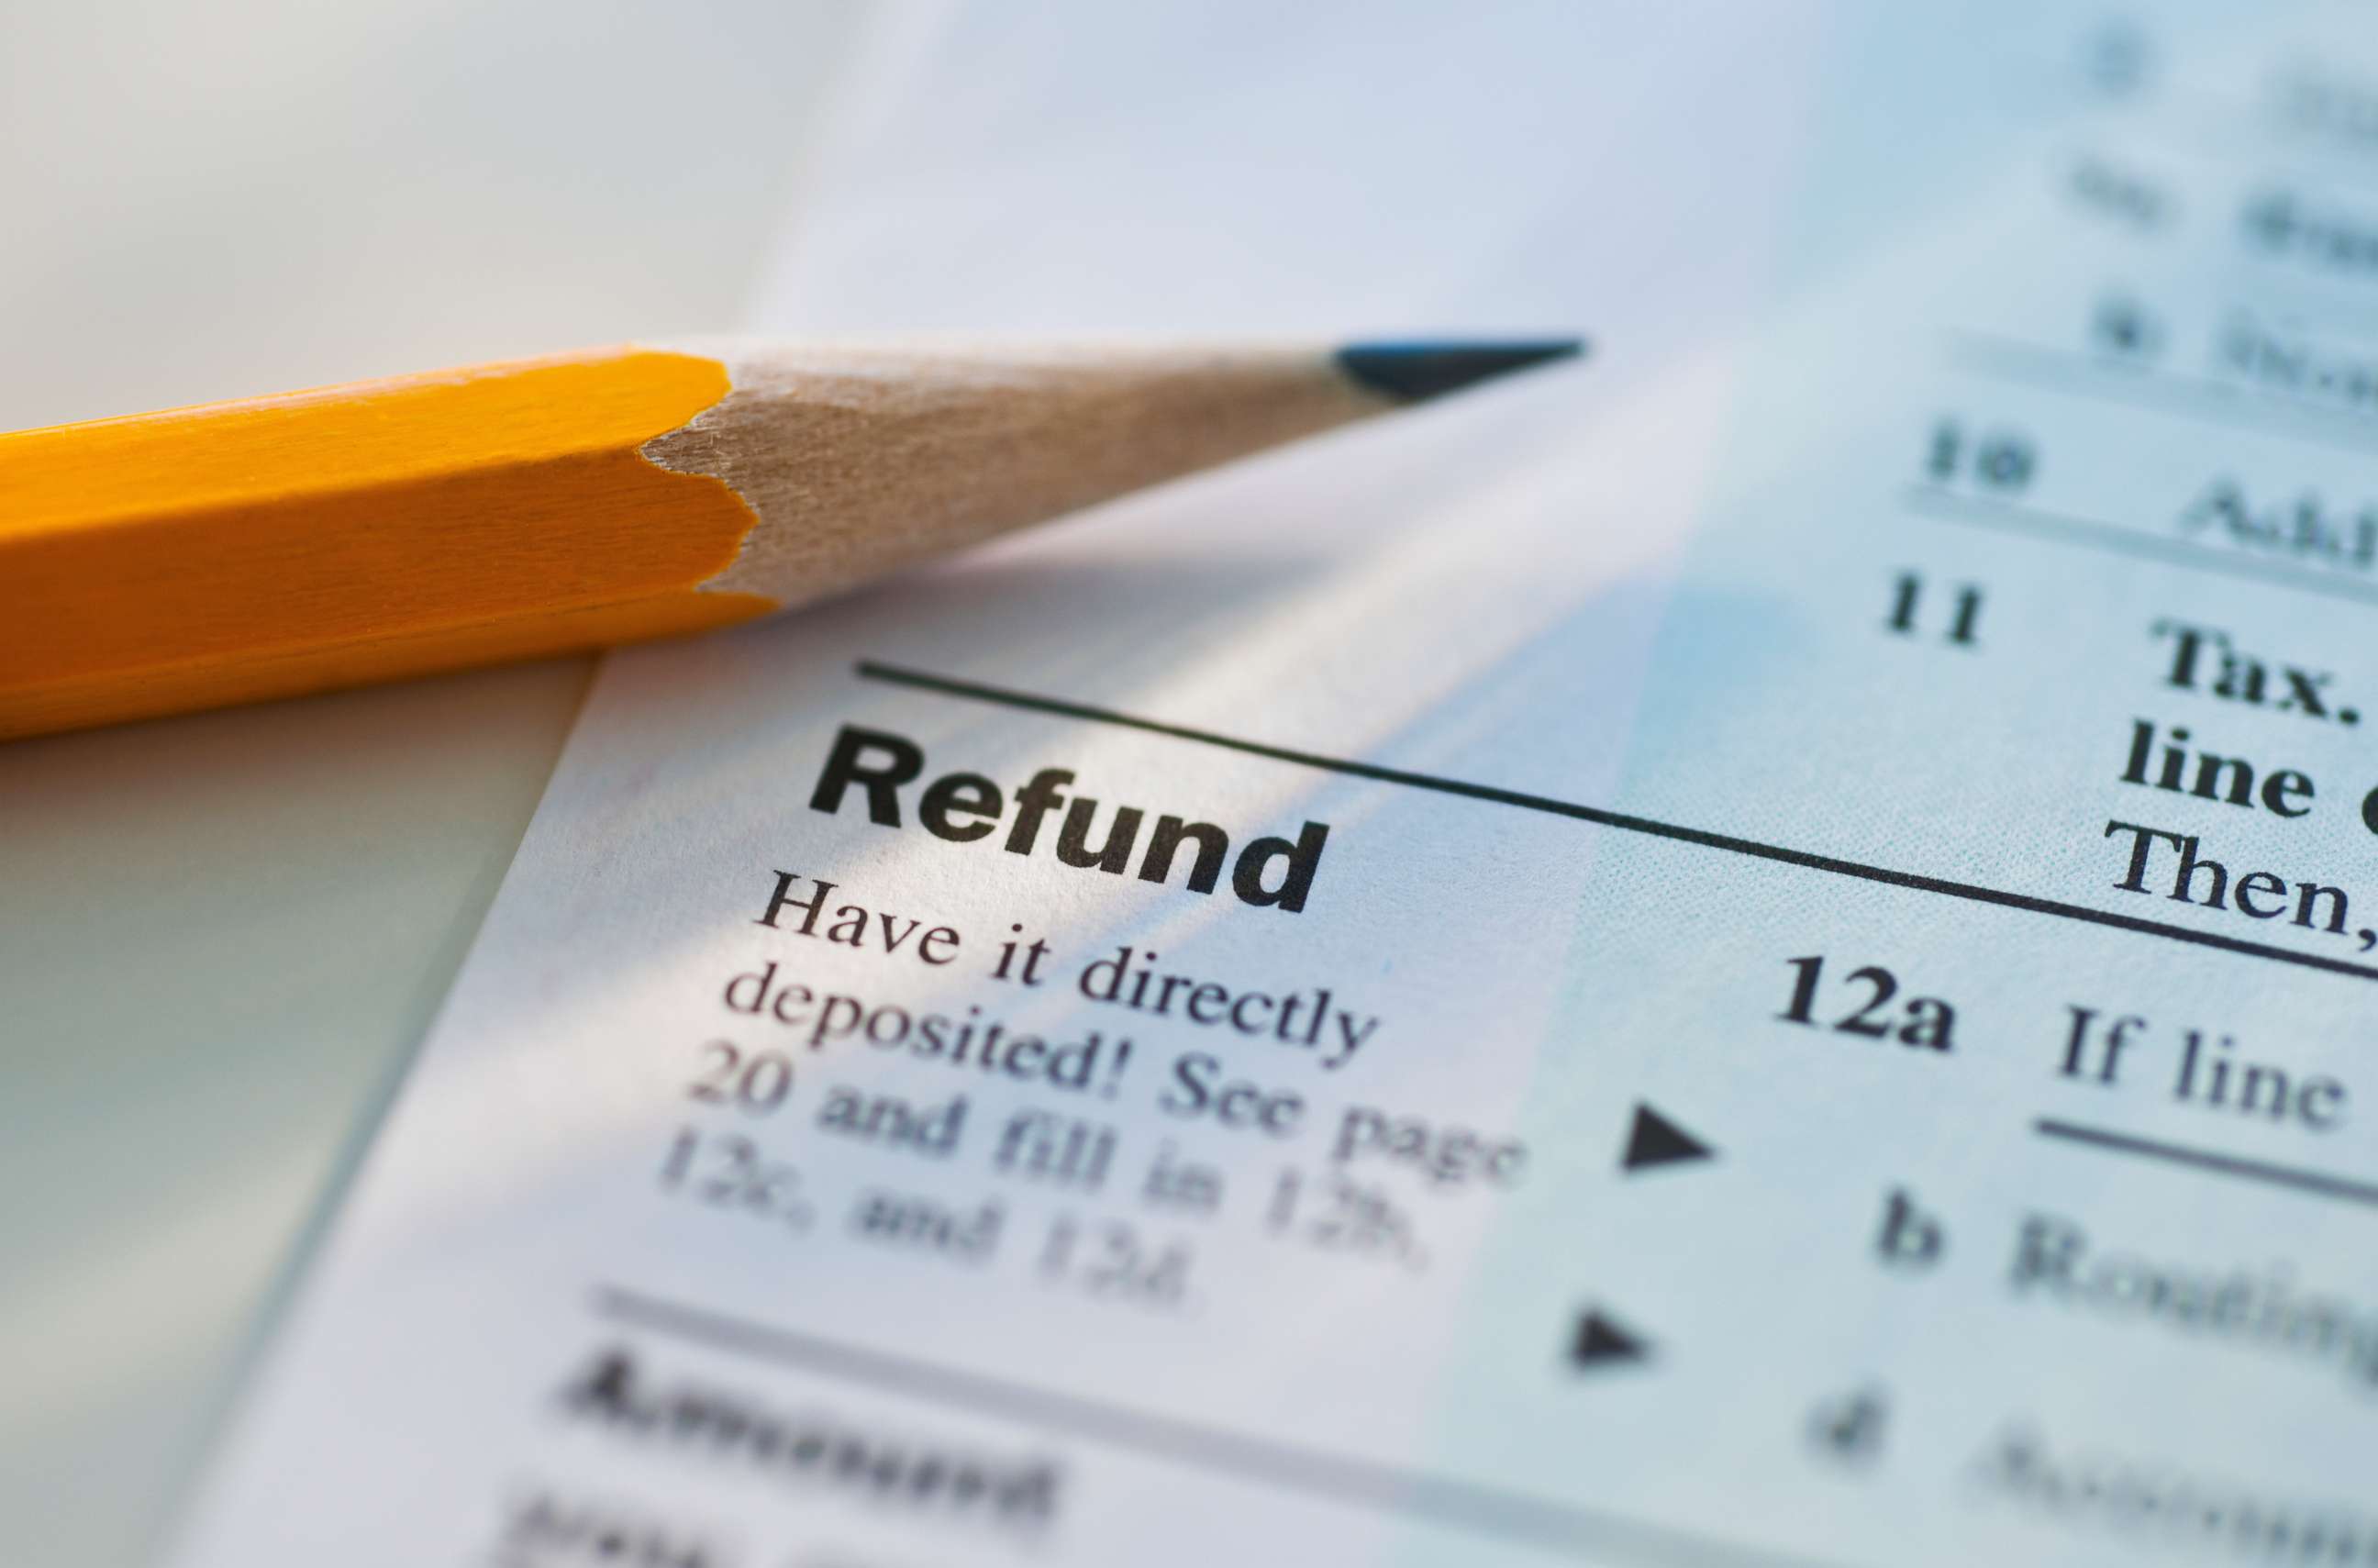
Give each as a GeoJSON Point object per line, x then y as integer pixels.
{"type": "Point", "coordinates": [1910, 1239]}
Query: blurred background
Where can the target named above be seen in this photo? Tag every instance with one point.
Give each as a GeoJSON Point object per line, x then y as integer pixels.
{"type": "Point", "coordinates": [253, 195]}
{"type": "Point", "coordinates": [221, 936]}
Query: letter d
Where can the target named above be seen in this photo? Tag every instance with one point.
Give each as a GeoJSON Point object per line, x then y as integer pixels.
{"type": "Point", "coordinates": [1304, 859]}
{"type": "Point", "coordinates": [1113, 981]}
{"type": "Point", "coordinates": [760, 980]}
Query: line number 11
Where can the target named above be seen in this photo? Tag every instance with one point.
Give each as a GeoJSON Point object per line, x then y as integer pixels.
{"type": "Point", "coordinates": [1910, 616]}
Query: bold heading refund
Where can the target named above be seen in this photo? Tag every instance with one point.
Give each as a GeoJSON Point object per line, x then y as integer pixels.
{"type": "Point", "coordinates": [966, 808]}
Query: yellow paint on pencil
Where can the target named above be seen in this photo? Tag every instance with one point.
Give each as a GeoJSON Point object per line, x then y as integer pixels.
{"type": "Point", "coordinates": [288, 544]}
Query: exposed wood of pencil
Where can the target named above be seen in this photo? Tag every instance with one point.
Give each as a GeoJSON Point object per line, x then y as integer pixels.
{"type": "Point", "coordinates": [239, 550]}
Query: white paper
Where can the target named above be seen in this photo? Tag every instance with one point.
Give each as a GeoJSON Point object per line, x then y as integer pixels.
{"type": "Point", "coordinates": [1739, 1086]}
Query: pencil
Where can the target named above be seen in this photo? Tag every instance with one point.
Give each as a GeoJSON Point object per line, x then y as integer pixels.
{"type": "Point", "coordinates": [235, 551]}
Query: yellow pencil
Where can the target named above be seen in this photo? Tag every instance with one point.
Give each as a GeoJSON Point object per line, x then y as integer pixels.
{"type": "Point", "coordinates": [235, 551]}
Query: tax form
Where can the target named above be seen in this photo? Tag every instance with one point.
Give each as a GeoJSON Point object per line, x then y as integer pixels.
{"type": "Point", "coordinates": [1757, 952]}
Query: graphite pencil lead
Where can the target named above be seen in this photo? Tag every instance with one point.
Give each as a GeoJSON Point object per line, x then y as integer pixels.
{"type": "Point", "coordinates": [1417, 371]}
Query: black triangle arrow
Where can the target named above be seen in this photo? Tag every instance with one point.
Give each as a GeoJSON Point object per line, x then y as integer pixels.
{"type": "Point", "coordinates": [1656, 1140]}
{"type": "Point", "coordinates": [1600, 1342]}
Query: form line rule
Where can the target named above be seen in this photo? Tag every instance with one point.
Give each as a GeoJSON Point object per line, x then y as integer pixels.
{"type": "Point", "coordinates": [2058, 528]}
{"type": "Point", "coordinates": [2223, 404]}
{"type": "Point", "coordinates": [2205, 1159]}
{"type": "Point", "coordinates": [1650, 827]}
{"type": "Point", "coordinates": [1346, 1479]}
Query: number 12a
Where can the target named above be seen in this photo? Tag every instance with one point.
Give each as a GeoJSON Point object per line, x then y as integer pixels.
{"type": "Point", "coordinates": [1867, 993]}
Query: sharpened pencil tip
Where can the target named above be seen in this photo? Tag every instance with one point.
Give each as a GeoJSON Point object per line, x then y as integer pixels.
{"type": "Point", "coordinates": [1415, 372]}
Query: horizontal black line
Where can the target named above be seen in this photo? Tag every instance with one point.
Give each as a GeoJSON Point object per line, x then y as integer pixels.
{"type": "Point", "coordinates": [1441, 1499]}
{"type": "Point", "coordinates": [2215, 402]}
{"type": "Point", "coordinates": [2199, 1159]}
{"type": "Point", "coordinates": [1972, 892]}
{"type": "Point", "coordinates": [2011, 517]}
